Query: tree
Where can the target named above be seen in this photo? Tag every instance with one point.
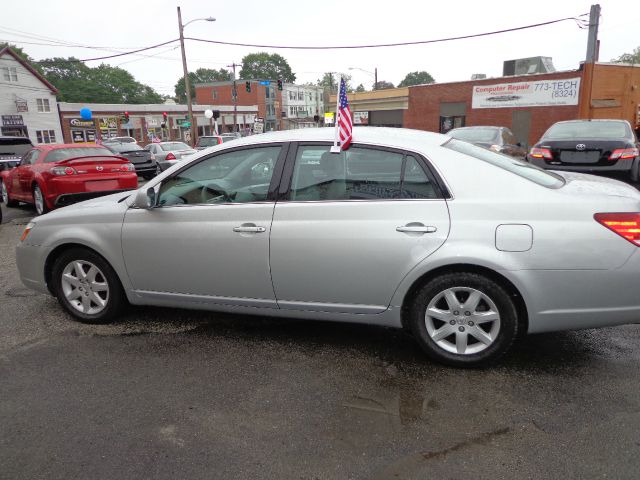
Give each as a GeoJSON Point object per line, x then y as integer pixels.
{"type": "Point", "coordinates": [360, 88]}
{"type": "Point", "coordinates": [330, 81]}
{"type": "Point", "coordinates": [416, 78]}
{"type": "Point", "coordinates": [266, 66]}
{"type": "Point", "coordinates": [383, 85]}
{"type": "Point", "coordinates": [202, 75]}
{"type": "Point", "coordinates": [79, 83]}
{"type": "Point", "coordinates": [633, 57]}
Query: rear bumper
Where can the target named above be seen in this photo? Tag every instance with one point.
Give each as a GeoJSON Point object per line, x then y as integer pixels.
{"type": "Point", "coordinates": [64, 190]}
{"type": "Point", "coordinates": [71, 198]}
{"type": "Point", "coordinates": [578, 299]}
{"type": "Point", "coordinates": [621, 166]}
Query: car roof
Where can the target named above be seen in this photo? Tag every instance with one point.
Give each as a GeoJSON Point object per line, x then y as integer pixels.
{"type": "Point", "coordinates": [383, 136]}
{"type": "Point", "coordinates": [477, 127]}
{"type": "Point", "coordinates": [594, 120]}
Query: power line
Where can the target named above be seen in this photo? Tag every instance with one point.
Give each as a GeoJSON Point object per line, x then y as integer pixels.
{"type": "Point", "coordinates": [397, 44]}
{"type": "Point", "coordinates": [116, 55]}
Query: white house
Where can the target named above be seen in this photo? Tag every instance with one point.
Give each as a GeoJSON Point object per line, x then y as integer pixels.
{"type": "Point", "coordinates": [300, 104]}
{"type": "Point", "coordinates": [28, 106]}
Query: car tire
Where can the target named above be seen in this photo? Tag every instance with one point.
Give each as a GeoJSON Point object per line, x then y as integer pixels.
{"type": "Point", "coordinates": [39, 201]}
{"type": "Point", "coordinates": [464, 319]}
{"type": "Point", "coordinates": [5, 196]}
{"type": "Point", "coordinates": [87, 287]}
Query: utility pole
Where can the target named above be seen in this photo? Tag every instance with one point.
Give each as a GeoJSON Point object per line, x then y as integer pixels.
{"type": "Point", "coordinates": [187, 85]}
{"type": "Point", "coordinates": [590, 61]}
{"type": "Point", "coordinates": [375, 78]}
{"type": "Point", "coordinates": [234, 94]}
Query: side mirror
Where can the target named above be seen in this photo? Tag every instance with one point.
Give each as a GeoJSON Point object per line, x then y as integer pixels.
{"type": "Point", "coordinates": [146, 199]}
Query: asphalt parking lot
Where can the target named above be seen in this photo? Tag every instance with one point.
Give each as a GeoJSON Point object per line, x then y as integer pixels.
{"type": "Point", "coordinates": [180, 394]}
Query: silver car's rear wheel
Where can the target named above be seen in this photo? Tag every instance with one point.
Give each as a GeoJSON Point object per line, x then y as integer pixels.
{"type": "Point", "coordinates": [85, 287]}
{"type": "Point", "coordinates": [462, 320]}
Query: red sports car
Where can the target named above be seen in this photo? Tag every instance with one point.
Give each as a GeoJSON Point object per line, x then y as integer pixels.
{"type": "Point", "coordinates": [50, 176]}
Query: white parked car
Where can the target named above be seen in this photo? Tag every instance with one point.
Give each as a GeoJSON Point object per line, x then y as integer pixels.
{"type": "Point", "coordinates": [463, 247]}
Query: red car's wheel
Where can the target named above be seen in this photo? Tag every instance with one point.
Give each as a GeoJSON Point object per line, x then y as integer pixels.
{"type": "Point", "coordinates": [5, 196]}
{"type": "Point", "coordinates": [39, 201]}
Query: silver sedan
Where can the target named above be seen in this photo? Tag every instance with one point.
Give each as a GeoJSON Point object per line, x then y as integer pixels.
{"type": "Point", "coordinates": [465, 248]}
{"type": "Point", "coordinates": [168, 154]}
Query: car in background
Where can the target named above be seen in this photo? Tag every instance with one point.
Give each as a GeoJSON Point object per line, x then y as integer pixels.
{"type": "Point", "coordinates": [169, 153]}
{"type": "Point", "coordinates": [497, 139]}
{"type": "Point", "coordinates": [143, 160]}
{"type": "Point", "coordinates": [56, 175]}
{"type": "Point", "coordinates": [11, 151]}
{"type": "Point", "coordinates": [465, 248]}
{"type": "Point", "coordinates": [120, 140]}
{"type": "Point", "coordinates": [206, 141]}
{"type": "Point", "coordinates": [589, 146]}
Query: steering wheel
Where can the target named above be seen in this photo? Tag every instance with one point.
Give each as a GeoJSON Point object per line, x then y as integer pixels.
{"type": "Point", "coordinates": [214, 194]}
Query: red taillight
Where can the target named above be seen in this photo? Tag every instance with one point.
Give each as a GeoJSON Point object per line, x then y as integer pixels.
{"type": "Point", "coordinates": [127, 167]}
{"type": "Point", "coordinates": [170, 156]}
{"type": "Point", "coordinates": [541, 153]}
{"type": "Point", "coordinates": [63, 171]}
{"type": "Point", "coordinates": [625, 224]}
{"type": "Point", "coordinates": [624, 154]}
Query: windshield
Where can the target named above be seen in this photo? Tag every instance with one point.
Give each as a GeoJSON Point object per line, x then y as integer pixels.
{"type": "Point", "coordinates": [16, 147]}
{"type": "Point", "coordinates": [65, 153]}
{"type": "Point", "coordinates": [520, 168]}
{"type": "Point", "coordinates": [584, 130]}
{"type": "Point", "coordinates": [473, 135]}
{"type": "Point", "coordinates": [173, 146]}
{"type": "Point", "coordinates": [207, 141]}
{"type": "Point", "coordinates": [127, 147]}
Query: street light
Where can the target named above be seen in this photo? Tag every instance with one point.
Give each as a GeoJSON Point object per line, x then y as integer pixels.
{"type": "Point", "coordinates": [187, 85]}
{"type": "Point", "coordinates": [374, 73]}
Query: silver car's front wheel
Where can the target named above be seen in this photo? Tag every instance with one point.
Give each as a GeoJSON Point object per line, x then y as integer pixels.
{"type": "Point", "coordinates": [87, 286]}
{"type": "Point", "coordinates": [464, 319]}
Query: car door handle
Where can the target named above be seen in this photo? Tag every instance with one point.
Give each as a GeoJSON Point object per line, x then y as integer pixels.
{"type": "Point", "coordinates": [249, 229]}
{"type": "Point", "coordinates": [416, 229]}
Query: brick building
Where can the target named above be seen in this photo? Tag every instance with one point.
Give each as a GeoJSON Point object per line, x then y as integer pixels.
{"type": "Point", "coordinates": [527, 104]}
{"type": "Point", "coordinates": [266, 97]}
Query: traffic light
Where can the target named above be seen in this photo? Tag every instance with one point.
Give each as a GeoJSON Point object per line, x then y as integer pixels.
{"type": "Point", "coordinates": [165, 116]}
{"type": "Point", "coordinates": [216, 114]}
{"type": "Point", "coordinates": [279, 84]}
{"type": "Point", "coordinates": [247, 86]}
{"type": "Point", "coordinates": [125, 117]}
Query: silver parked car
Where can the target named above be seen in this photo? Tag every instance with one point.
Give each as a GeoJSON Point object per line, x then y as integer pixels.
{"type": "Point", "coordinates": [465, 248]}
{"type": "Point", "coordinates": [168, 154]}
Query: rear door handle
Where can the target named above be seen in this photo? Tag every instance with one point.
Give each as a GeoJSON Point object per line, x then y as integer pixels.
{"type": "Point", "coordinates": [249, 229]}
{"type": "Point", "coordinates": [416, 229]}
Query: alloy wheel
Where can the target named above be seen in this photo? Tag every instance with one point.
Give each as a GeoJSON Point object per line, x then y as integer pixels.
{"type": "Point", "coordinates": [38, 200]}
{"type": "Point", "coordinates": [5, 194]}
{"type": "Point", "coordinates": [85, 287]}
{"type": "Point", "coordinates": [462, 320]}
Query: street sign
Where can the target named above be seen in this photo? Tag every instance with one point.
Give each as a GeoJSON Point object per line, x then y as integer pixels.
{"type": "Point", "coordinates": [265, 82]}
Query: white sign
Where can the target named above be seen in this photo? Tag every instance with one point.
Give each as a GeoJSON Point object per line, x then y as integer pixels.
{"type": "Point", "coordinates": [361, 118]}
{"type": "Point", "coordinates": [328, 118]}
{"type": "Point", "coordinates": [258, 127]}
{"type": "Point", "coordinates": [539, 93]}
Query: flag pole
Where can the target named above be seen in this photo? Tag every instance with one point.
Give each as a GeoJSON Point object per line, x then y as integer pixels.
{"type": "Point", "coordinates": [336, 148]}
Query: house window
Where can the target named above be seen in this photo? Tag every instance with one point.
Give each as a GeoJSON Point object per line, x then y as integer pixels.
{"type": "Point", "coordinates": [10, 74]}
{"type": "Point", "coordinates": [43, 105]}
{"type": "Point", "coordinates": [46, 136]}
{"type": "Point", "coordinates": [451, 122]}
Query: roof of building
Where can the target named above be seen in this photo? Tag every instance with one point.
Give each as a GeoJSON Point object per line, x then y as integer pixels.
{"type": "Point", "coordinates": [9, 51]}
{"type": "Point", "coordinates": [65, 107]}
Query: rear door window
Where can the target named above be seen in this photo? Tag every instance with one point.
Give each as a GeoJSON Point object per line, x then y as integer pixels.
{"type": "Point", "coordinates": [359, 173]}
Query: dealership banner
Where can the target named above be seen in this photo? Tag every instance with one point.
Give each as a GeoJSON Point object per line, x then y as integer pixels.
{"type": "Point", "coordinates": [540, 93]}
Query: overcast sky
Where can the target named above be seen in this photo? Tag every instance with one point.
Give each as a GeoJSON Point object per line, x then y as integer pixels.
{"type": "Point", "coordinates": [124, 25]}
